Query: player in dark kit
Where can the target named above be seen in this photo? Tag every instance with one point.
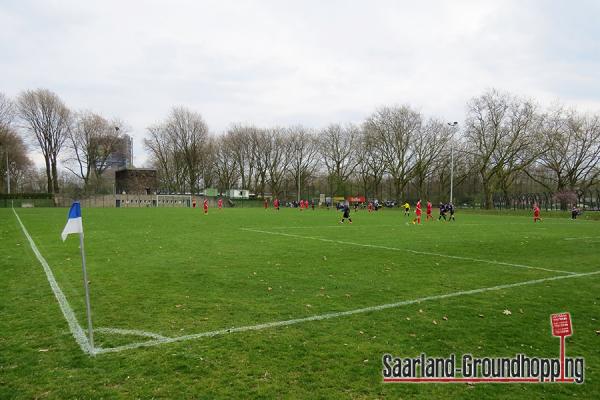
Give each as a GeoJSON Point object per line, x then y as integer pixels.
{"type": "Point", "coordinates": [574, 212]}
{"type": "Point", "coordinates": [450, 208]}
{"type": "Point", "coordinates": [346, 210]}
{"type": "Point", "coordinates": [442, 212]}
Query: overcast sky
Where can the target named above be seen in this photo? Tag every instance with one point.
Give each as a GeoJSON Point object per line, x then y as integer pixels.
{"type": "Point", "coordinates": [297, 62]}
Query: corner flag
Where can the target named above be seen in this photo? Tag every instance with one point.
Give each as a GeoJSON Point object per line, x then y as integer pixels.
{"type": "Point", "coordinates": [74, 223]}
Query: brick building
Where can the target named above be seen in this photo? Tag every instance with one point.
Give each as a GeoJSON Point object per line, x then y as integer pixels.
{"type": "Point", "coordinates": [136, 181]}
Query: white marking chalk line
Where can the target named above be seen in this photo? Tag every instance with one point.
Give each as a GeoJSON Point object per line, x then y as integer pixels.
{"type": "Point", "coordinates": [409, 250]}
{"type": "Point", "coordinates": [582, 238]}
{"type": "Point", "coordinates": [130, 332]}
{"type": "Point", "coordinates": [66, 309]}
{"type": "Point", "coordinates": [321, 317]}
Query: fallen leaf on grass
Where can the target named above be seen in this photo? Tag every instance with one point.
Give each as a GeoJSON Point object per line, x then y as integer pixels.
{"type": "Point", "coordinates": [598, 332]}
{"type": "Point", "coordinates": [269, 288]}
{"type": "Point", "coordinates": [43, 350]}
{"type": "Point", "coordinates": [408, 318]}
{"type": "Point", "coordinates": [480, 315]}
{"type": "Point", "coordinates": [434, 322]}
{"type": "Point", "coordinates": [507, 312]}
{"type": "Point", "coordinates": [178, 305]}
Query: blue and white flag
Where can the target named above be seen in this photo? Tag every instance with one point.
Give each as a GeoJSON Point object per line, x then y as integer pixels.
{"type": "Point", "coordinates": [74, 224]}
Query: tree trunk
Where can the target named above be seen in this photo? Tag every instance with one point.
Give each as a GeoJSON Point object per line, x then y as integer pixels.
{"type": "Point", "coordinates": [49, 176]}
{"type": "Point", "coordinates": [489, 197]}
{"type": "Point", "coordinates": [55, 177]}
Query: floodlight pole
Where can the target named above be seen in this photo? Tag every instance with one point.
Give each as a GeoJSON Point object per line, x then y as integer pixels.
{"type": "Point", "coordinates": [298, 177]}
{"type": "Point", "coordinates": [87, 293]}
{"type": "Point", "coordinates": [451, 171]}
{"type": "Point", "coordinates": [453, 124]}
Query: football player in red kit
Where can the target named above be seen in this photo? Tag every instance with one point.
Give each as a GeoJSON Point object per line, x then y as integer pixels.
{"type": "Point", "coordinates": [266, 204]}
{"type": "Point", "coordinates": [417, 213]}
{"type": "Point", "coordinates": [536, 213]}
{"type": "Point", "coordinates": [276, 204]}
{"type": "Point", "coordinates": [220, 204]}
{"type": "Point", "coordinates": [428, 211]}
{"type": "Point", "coordinates": [205, 206]}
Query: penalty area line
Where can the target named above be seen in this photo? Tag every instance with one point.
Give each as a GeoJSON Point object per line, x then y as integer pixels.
{"type": "Point", "coordinates": [331, 315]}
{"type": "Point", "coordinates": [426, 253]}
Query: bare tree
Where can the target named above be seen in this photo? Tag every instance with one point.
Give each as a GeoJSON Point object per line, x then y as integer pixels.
{"type": "Point", "coordinates": [189, 134]}
{"type": "Point", "coordinates": [395, 128]}
{"type": "Point", "coordinates": [226, 169]}
{"type": "Point", "coordinates": [167, 159]}
{"type": "Point", "coordinates": [428, 149]}
{"type": "Point", "coordinates": [572, 156]}
{"type": "Point", "coordinates": [501, 131]}
{"type": "Point", "coordinates": [92, 140]}
{"type": "Point", "coordinates": [207, 166]}
{"type": "Point", "coordinates": [46, 118]}
{"type": "Point", "coordinates": [278, 158]}
{"type": "Point", "coordinates": [13, 155]}
{"type": "Point", "coordinates": [371, 165]}
{"type": "Point", "coordinates": [303, 155]}
{"type": "Point", "coordinates": [242, 145]}
{"type": "Point", "coordinates": [260, 146]}
{"type": "Point", "coordinates": [337, 146]}
{"type": "Point", "coordinates": [7, 111]}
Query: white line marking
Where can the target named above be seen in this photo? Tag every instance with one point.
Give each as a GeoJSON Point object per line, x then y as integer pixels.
{"type": "Point", "coordinates": [409, 250]}
{"type": "Point", "coordinates": [66, 309]}
{"type": "Point", "coordinates": [321, 317]}
{"type": "Point", "coordinates": [583, 238]}
{"type": "Point", "coordinates": [317, 227]}
{"type": "Point", "coordinates": [130, 332]}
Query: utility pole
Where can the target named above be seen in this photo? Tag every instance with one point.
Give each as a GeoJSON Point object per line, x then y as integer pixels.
{"type": "Point", "coordinates": [452, 124]}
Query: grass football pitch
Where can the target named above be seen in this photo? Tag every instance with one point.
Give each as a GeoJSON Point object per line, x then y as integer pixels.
{"type": "Point", "coordinates": [263, 304]}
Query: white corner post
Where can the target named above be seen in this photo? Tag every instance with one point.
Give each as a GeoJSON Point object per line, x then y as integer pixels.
{"type": "Point", "coordinates": [87, 294]}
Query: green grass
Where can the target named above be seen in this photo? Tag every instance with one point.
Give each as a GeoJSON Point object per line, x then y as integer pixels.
{"type": "Point", "coordinates": [176, 272]}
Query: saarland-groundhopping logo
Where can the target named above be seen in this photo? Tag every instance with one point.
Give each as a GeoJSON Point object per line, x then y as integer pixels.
{"type": "Point", "coordinates": [518, 369]}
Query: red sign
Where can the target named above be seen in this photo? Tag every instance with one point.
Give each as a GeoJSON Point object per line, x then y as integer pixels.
{"type": "Point", "coordinates": [356, 199]}
{"type": "Point", "coordinates": [561, 324]}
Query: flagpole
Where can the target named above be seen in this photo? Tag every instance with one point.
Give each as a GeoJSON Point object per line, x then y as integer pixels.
{"type": "Point", "coordinates": [87, 292]}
